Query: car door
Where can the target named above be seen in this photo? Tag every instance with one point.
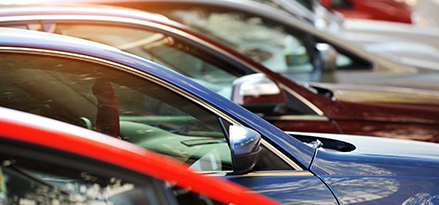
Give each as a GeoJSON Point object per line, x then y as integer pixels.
{"type": "Point", "coordinates": [140, 108]}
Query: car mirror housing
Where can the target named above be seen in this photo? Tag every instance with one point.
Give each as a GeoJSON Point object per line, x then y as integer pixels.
{"type": "Point", "coordinates": [259, 94]}
{"type": "Point", "coordinates": [327, 57]}
{"type": "Point", "coordinates": [245, 148]}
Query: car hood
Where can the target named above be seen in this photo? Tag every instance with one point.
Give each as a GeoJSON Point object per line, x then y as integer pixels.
{"type": "Point", "coordinates": [377, 103]}
{"type": "Point", "coordinates": [367, 145]}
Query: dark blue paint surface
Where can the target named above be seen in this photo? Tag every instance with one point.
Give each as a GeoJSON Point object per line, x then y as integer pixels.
{"type": "Point", "coordinates": [289, 189]}
{"type": "Point", "coordinates": [372, 179]}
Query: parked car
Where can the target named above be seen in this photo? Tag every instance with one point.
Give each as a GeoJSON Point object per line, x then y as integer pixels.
{"type": "Point", "coordinates": [326, 108]}
{"type": "Point", "coordinates": [45, 161]}
{"type": "Point", "coordinates": [384, 10]}
{"type": "Point", "coordinates": [378, 53]}
{"type": "Point", "coordinates": [100, 88]}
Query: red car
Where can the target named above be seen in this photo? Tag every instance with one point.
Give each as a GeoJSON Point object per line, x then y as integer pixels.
{"type": "Point", "coordinates": [51, 162]}
{"type": "Point", "coordinates": [385, 10]}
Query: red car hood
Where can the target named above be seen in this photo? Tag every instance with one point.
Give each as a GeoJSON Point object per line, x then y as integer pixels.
{"type": "Point", "coordinates": [377, 103]}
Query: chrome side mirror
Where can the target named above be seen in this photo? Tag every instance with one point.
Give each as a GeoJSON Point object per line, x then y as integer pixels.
{"type": "Point", "coordinates": [245, 146]}
{"type": "Point", "coordinates": [259, 94]}
{"type": "Point", "coordinates": [327, 57]}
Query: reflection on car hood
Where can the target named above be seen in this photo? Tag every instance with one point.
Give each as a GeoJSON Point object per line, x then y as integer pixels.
{"type": "Point", "coordinates": [378, 103]}
{"type": "Point", "coordinates": [383, 146]}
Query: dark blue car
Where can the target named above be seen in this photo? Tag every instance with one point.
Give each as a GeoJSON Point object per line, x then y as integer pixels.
{"type": "Point", "coordinates": [101, 88]}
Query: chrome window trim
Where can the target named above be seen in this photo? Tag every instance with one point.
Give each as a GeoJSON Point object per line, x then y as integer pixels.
{"type": "Point", "coordinates": [159, 26]}
{"type": "Point", "coordinates": [278, 173]}
{"type": "Point", "coordinates": [297, 117]}
{"type": "Point", "coordinates": [275, 173]}
{"type": "Point", "coordinates": [149, 77]}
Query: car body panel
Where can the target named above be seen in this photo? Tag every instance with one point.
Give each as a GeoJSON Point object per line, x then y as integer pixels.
{"type": "Point", "coordinates": [292, 190]}
{"type": "Point", "coordinates": [344, 112]}
{"type": "Point", "coordinates": [396, 184]}
{"type": "Point", "coordinates": [317, 164]}
{"type": "Point", "coordinates": [355, 180]}
{"type": "Point", "coordinates": [367, 145]}
{"type": "Point", "coordinates": [375, 108]}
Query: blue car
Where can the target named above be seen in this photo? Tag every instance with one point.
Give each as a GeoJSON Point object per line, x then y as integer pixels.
{"type": "Point", "coordinates": [101, 88]}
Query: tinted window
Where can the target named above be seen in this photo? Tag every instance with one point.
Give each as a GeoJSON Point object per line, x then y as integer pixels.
{"type": "Point", "coordinates": [114, 103]}
{"type": "Point", "coordinates": [35, 177]}
{"type": "Point", "coordinates": [33, 183]}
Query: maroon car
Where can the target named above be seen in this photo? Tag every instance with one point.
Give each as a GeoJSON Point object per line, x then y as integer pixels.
{"type": "Point", "coordinates": [292, 106]}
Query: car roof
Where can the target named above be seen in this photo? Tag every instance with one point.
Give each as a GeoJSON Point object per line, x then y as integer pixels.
{"type": "Point", "coordinates": [62, 136]}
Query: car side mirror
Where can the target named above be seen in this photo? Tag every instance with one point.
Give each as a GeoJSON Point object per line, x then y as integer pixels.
{"type": "Point", "coordinates": [245, 147]}
{"type": "Point", "coordinates": [259, 94]}
{"type": "Point", "coordinates": [327, 57]}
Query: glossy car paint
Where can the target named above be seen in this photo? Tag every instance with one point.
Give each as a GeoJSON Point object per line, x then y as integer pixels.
{"type": "Point", "coordinates": [395, 113]}
{"type": "Point", "coordinates": [363, 171]}
{"type": "Point", "coordinates": [54, 134]}
{"type": "Point", "coordinates": [384, 10]}
{"type": "Point", "coordinates": [322, 169]}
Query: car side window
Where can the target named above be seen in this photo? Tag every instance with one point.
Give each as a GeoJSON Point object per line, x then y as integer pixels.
{"type": "Point", "coordinates": [268, 43]}
{"type": "Point", "coordinates": [26, 180]}
{"type": "Point", "coordinates": [115, 103]}
{"type": "Point", "coordinates": [43, 184]}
